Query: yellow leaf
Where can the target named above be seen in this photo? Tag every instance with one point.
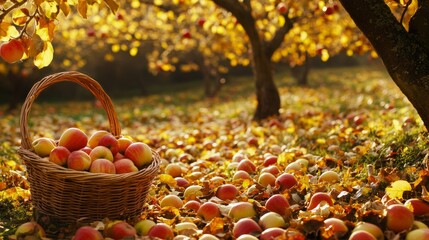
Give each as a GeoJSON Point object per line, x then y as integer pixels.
{"type": "Point", "coordinates": [398, 188]}
{"type": "Point", "coordinates": [20, 16]}
{"type": "Point", "coordinates": [112, 4]}
{"type": "Point", "coordinates": [82, 8]}
{"type": "Point", "coordinates": [134, 51]}
{"type": "Point", "coordinates": [167, 179]}
{"type": "Point", "coordinates": [45, 57]}
{"type": "Point", "coordinates": [7, 31]}
{"type": "Point", "coordinates": [64, 6]}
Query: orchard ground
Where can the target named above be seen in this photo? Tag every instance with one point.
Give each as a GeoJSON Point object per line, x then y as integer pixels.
{"type": "Point", "coordinates": [351, 121]}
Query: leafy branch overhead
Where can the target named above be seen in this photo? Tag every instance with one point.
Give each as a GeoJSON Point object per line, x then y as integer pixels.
{"type": "Point", "coordinates": [33, 24]}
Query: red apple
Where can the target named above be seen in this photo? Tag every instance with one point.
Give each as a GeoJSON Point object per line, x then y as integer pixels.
{"type": "Point", "coordinates": [59, 155]}
{"type": "Point", "coordinates": [227, 192]}
{"type": "Point", "coordinates": [90, 32]}
{"type": "Point", "coordinates": [418, 234]}
{"type": "Point", "coordinates": [278, 204]}
{"type": "Point", "coordinates": [110, 142]}
{"type": "Point", "coordinates": [281, 8]}
{"type": "Point", "coordinates": [361, 235]}
{"type": "Point", "coordinates": [328, 10]}
{"type": "Point", "coordinates": [337, 225]}
{"type": "Point", "coordinates": [123, 144]}
{"type": "Point", "coordinates": [271, 219]}
{"type": "Point", "coordinates": [192, 205]}
{"type": "Point", "coordinates": [124, 165]}
{"type": "Point", "coordinates": [270, 160]}
{"type": "Point", "coordinates": [394, 213]}
{"type": "Point", "coordinates": [95, 138]}
{"type": "Point", "coordinates": [245, 226]}
{"type": "Point", "coordinates": [246, 165]}
{"type": "Point", "coordinates": [273, 233]}
{"type": "Point", "coordinates": [101, 152]}
{"type": "Point", "coordinates": [87, 149]}
{"type": "Point", "coordinates": [371, 228]}
{"type": "Point", "coordinates": [186, 34]}
{"type": "Point", "coordinates": [30, 230]}
{"type": "Point", "coordinates": [201, 22]}
{"type": "Point", "coordinates": [73, 139]}
{"type": "Point", "coordinates": [161, 230]}
{"type": "Point", "coordinates": [102, 165]}
{"type": "Point", "coordinates": [171, 201]}
{"type": "Point", "coordinates": [319, 197]}
{"type": "Point", "coordinates": [43, 146]}
{"type": "Point", "coordinates": [417, 206]}
{"type": "Point", "coordinates": [12, 51]}
{"type": "Point", "coordinates": [285, 181]}
{"type": "Point", "coordinates": [140, 153]}
{"type": "Point", "coordinates": [79, 160]}
{"type": "Point", "coordinates": [143, 226]}
{"type": "Point", "coordinates": [87, 233]}
{"type": "Point", "coordinates": [208, 211]}
{"type": "Point", "coordinates": [271, 169]}
{"type": "Point", "coordinates": [181, 182]}
{"type": "Point", "coordinates": [121, 230]}
{"type": "Point", "coordinates": [241, 210]}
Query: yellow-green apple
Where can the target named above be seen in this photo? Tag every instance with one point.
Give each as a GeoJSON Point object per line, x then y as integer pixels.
{"type": "Point", "coordinates": [417, 206]}
{"type": "Point", "coordinates": [361, 235]}
{"type": "Point", "coordinates": [286, 181]}
{"type": "Point", "coordinates": [245, 226]}
{"type": "Point", "coordinates": [43, 146]}
{"type": "Point", "coordinates": [101, 152]}
{"type": "Point", "coordinates": [110, 142]}
{"type": "Point", "coordinates": [186, 228]}
{"type": "Point", "coordinates": [95, 138]}
{"type": "Point", "coordinates": [266, 179]}
{"type": "Point", "coordinates": [173, 169]}
{"type": "Point", "coordinates": [418, 234]}
{"type": "Point", "coordinates": [337, 225]}
{"type": "Point", "coordinates": [371, 228]}
{"type": "Point", "coordinates": [123, 144]}
{"type": "Point", "coordinates": [208, 211]}
{"type": "Point", "coordinates": [273, 233]}
{"type": "Point", "coordinates": [395, 212]}
{"type": "Point", "coordinates": [208, 236]}
{"type": "Point", "coordinates": [247, 237]}
{"type": "Point", "coordinates": [79, 160]}
{"type": "Point", "coordinates": [102, 165]}
{"type": "Point", "coordinates": [28, 230]}
{"type": "Point", "coordinates": [121, 230]}
{"type": "Point", "coordinates": [319, 197]}
{"type": "Point", "coordinates": [192, 205]}
{"type": "Point", "coordinates": [87, 233]}
{"type": "Point", "coordinates": [59, 155]}
{"type": "Point", "coordinates": [193, 192]}
{"type": "Point", "coordinates": [241, 210]}
{"type": "Point", "coordinates": [162, 231]}
{"type": "Point", "coordinates": [124, 165]}
{"type": "Point", "coordinates": [271, 219]}
{"type": "Point", "coordinates": [227, 192]}
{"type": "Point", "coordinates": [277, 203]}
{"type": "Point", "coordinates": [171, 200]}
{"type": "Point", "coordinates": [329, 177]}
{"type": "Point", "coordinates": [140, 153]}
{"type": "Point", "coordinates": [142, 227]}
{"type": "Point", "coordinates": [73, 139]}
{"type": "Point", "coordinates": [419, 225]}
{"type": "Point", "coordinates": [246, 165]}
{"type": "Point", "coordinates": [12, 51]}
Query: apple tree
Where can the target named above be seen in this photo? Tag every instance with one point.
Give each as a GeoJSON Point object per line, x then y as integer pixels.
{"type": "Point", "coordinates": [399, 32]}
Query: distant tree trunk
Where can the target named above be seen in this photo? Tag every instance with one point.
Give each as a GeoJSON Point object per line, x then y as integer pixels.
{"type": "Point", "coordinates": [300, 73]}
{"type": "Point", "coordinates": [404, 54]}
{"type": "Point", "coordinates": [267, 95]}
{"type": "Point", "coordinates": [17, 90]}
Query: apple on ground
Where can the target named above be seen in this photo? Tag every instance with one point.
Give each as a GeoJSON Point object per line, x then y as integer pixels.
{"type": "Point", "coordinates": [87, 233]}
{"type": "Point", "coordinates": [266, 179]}
{"type": "Point", "coordinates": [371, 228]}
{"type": "Point", "coordinates": [192, 205]}
{"type": "Point", "coordinates": [227, 192]}
{"type": "Point", "coordinates": [110, 142]}
{"type": "Point", "coordinates": [361, 235]}
{"type": "Point", "coordinates": [30, 229]}
{"type": "Point", "coordinates": [121, 230]}
{"type": "Point", "coordinates": [143, 226]}
{"type": "Point", "coordinates": [79, 160]}
{"type": "Point", "coordinates": [271, 219]}
{"type": "Point", "coordinates": [208, 211]}
{"type": "Point", "coordinates": [173, 169]}
{"type": "Point", "coordinates": [12, 51]}
{"type": "Point", "coordinates": [277, 203]}
{"type": "Point", "coordinates": [95, 138]}
{"type": "Point", "coordinates": [192, 192]}
{"type": "Point", "coordinates": [337, 225]}
{"type": "Point", "coordinates": [417, 206]}
{"type": "Point", "coordinates": [124, 165]}
{"type": "Point", "coordinates": [273, 233]}
{"type": "Point", "coordinates": [207, 236]}
{"type": "Point", "coordinates": [329, 177]}
{"type": "Point", "coordinates": [394, 213]}
{"type": "Point", "coordinates": [185, 228]}
{"type": "Point", "coordinates": [171, 200]}
{"type": "Point", "coordinates": [43, 146]}
{"type": "Point", "coordinates": [319, 197]}
{"type": "Point", "coordinates": [73, 139]}
{"type": "Point", "coordinates": [246, 165]}
{"type": "Point", "coordinates": [418, 234]}
{"type": "Point", "coordinates": [102, 165]}
{"type": "Point", "coordinates": [241, 210]}
{"type": "Point", "coordinates": [140, 153]}
{"type": "Point", "coordinates": [286, 181]}
{"type": "Point", "coordinates": [241, 175]}
{"type": "Point", "coordinates": [59, 155]}
{"type": "Point", "coordinates": [271, 169]}
{"type": "Point", "coordinates": [162, 231]}
{"type": "Point", "coordinates": [245, 226]}
{"type": "Point", "coordinates": [247, 237]}
{"type": "Point", "coordinates": [270, 160]}
{"type": "Point", "coordinates": [101, 152]}
{"type": "Point", "coordinates": [181, 182]}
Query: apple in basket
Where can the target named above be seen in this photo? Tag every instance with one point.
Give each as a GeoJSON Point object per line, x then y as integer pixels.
{"type": "Point", "coordinates": [79, 160]}
{"type": "Point", "coordinates": [125, 165]}
{"type": "Point", "coordinates": [140, 153]}
{"type": "Point", "coordinates": [43, 146]}
{"type": "Point", "coordinates": [73, 139]}
{"type": "Point", "coordinates": [59, 155]}
{"type": "Point", "coordinates": [102, 166]}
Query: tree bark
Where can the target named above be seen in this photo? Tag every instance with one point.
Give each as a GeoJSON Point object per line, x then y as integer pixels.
{"type": "Point", "coordinates": [404, 54]}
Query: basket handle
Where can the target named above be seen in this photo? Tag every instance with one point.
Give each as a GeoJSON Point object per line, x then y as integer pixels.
{"type": "Point", "coordinates": [85, 81]}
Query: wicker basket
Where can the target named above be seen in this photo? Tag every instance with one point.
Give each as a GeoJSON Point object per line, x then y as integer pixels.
{"type": "Point", "coordinates": [67, 195]}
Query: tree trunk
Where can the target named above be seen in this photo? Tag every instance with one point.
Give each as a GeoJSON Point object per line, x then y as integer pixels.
{"type": "Point", "coordinates": [300, 73]}
{"type": "Point", "coordinates": [404, 54]}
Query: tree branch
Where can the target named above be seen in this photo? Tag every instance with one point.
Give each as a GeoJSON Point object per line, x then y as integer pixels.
{"type": "Point", "coordinates": [419, 23]}
{"type": "Point", "coordinates": [279, 36]}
